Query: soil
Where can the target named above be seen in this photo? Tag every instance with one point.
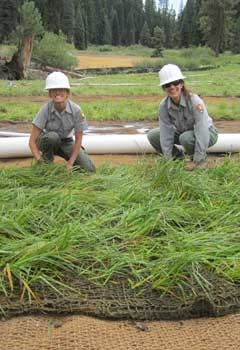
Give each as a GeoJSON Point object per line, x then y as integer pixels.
{"type": "Point", "coordinates": [223, 126]}
{"type": "Point", "coordinates": [106, 61]}
{"type": "Point", "coordinates": [93, 98]}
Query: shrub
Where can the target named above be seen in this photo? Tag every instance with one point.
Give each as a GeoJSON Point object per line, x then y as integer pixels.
{"type": "Point", "coordinates": [105, 48]}
{"type": "Point", "coordinates": [203, 56]}
{"type": "Point", "coordinates": [7, 50]}
{"type": "Point", "coordinates": [191, 58]}
{"type": "Point", "coordinates": [53, 50]}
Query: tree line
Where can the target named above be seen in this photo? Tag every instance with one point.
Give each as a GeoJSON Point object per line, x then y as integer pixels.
{"type": "Point", "coordinates": [214, 23]}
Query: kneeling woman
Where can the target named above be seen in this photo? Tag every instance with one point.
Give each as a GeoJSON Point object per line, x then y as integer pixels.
{"type": "Point", "coordinates": [183, 120]}
{"type": "Point", "coordinates": [56, 123]}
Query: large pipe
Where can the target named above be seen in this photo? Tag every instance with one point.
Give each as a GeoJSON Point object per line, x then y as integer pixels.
{"type": "Point", "coordinates": [17, 147]}
{"type": "Point", "coordinates": [229, 143]}
{"type": "Point", "coordinates": [10, 134]}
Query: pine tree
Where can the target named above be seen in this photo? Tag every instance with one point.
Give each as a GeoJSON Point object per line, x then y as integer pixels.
{"type": "Point", "coordinates": [130, 29]}
{"type": "Point", "coordinates": [138, 17]}
{"type": "Point", "coordinates": [51, 12]}
{"type": "Point", "coordinates": [189, 24]}
{"type": "Point", "coordinates": [150, 14]}
{"type": "Point", "coordinates": [8, 18]}
{"type": "Point", "coordinates": [236, 35]}
{"type": "Point", "coordinates": [68, 20]}
{"type": "Point", "coordinates": [115, 29]}
{"type": "Point", "coordinates": [99, 20]}
{"type": "Point", "coordinates": [121, 20]}
{"type": "Point", "coordinates": [90, 23]}
{"type": "Point", "coordinates": [30, 24]}
{"type": "Point", "coordinates": [235, 43]}
{"type": "Point", "coordinates": [145, 37]}
{"type": "Point", "coordinates": [79, 32]}
{"type": "Point", "coordinates": [236, 9]}
{"type": "Point", "coordinates": [157, 42]}
{"type": "Point", "coordinates": [167, 23]}
{"type": "Point", "coordinates": [214, 22]}
{"type": "Point", "coordinates": [107, 36]}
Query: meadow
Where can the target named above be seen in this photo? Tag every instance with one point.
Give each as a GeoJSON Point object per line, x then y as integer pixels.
{"type": "Point", "coordinates": [131, 96]}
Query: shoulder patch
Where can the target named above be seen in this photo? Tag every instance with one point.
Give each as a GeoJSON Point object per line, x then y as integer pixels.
{"type": "Point", "coordinates": [82, 116]}
{"type": "Point", "coordinates": [199, 107]}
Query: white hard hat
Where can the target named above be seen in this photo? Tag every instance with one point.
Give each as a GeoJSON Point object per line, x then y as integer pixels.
{"type": "Point", "coordinates": [57, 80]}
{"type": "Point", "coordinates": [169, 73]}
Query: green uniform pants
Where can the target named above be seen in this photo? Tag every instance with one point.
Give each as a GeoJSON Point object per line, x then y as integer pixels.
{"type": "Point", "coordinates": [51, 144]}
{"type": "Point", "coordinates": [186, 139]}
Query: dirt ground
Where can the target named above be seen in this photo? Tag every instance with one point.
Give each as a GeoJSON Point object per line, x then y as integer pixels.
{"type": "Point", "coordinates": [106, 61]}
{"type": "Point", "coordinates": [223, 126]}
{"type": "Point", "coordinates": [108, 97]}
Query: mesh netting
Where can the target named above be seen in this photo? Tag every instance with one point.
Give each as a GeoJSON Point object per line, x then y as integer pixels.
{"type": "Point", "coordinates": [117, 301]}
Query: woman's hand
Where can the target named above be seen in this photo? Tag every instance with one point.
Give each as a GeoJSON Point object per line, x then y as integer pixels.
{"type": "Point", "coordinates": [69, 166]}
{"type": "Point", "coordinates": [194, 166]}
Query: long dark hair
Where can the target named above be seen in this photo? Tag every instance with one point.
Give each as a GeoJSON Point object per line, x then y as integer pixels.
{"type": "Point", "coordinates": [185, 91]}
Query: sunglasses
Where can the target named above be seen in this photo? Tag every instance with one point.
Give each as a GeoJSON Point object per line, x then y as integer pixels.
{"type": "Point", "coordinates": [175, 83]}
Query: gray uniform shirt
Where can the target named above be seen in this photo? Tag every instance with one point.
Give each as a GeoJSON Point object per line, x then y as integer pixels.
{"type": "Point", "coordinates": [65, 123]}
{"type": "Point", "coordinates": [189, 115]}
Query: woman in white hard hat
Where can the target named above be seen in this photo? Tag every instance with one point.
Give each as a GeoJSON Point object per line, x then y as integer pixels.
{"type": "Point", "coordinates": [183, 120]}
{"type": "Point", "coordinates": [56, 123]}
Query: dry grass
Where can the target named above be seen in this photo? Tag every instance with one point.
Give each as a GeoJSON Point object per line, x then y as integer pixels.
{"type": "Point", "coordinates": [106, 61]}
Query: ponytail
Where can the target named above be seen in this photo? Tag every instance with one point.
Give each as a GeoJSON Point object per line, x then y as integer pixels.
{"type": "Point", "coordinates": [186, 92]}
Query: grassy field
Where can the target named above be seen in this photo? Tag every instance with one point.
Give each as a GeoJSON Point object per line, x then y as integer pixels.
{"type": "Point", "coordinates": [125, 96]}
{"type": "Point", "coordinates": [132, 96]}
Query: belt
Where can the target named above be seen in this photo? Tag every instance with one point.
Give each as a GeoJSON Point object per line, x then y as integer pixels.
{"type": "Point", "coordinates": [67, 139]}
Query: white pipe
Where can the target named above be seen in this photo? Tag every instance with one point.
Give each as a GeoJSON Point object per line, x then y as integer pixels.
{"type": "Point", "coordinates": [228, 143]}
{"type": "Point", "coordinates": [17, 147]}
{"type": "Point", "coordinates": [117, 144]}
{"type": "Point", "coordinates": [10, 134]}
{"type": "Point", "coordinates": [14, 147]}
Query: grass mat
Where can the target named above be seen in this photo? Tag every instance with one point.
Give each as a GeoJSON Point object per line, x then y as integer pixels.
{"type": "Point", "coordinates": [146, 241]}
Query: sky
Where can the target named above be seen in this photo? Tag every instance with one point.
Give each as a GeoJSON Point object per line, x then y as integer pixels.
{"type": "Point", "coordinates": [176, 4]}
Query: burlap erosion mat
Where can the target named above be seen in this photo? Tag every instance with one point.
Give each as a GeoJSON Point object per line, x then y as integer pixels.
{"type": "Point", "coordinates": [85, 333]}
{"type": "Point", "coordinates": [117, 301]}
